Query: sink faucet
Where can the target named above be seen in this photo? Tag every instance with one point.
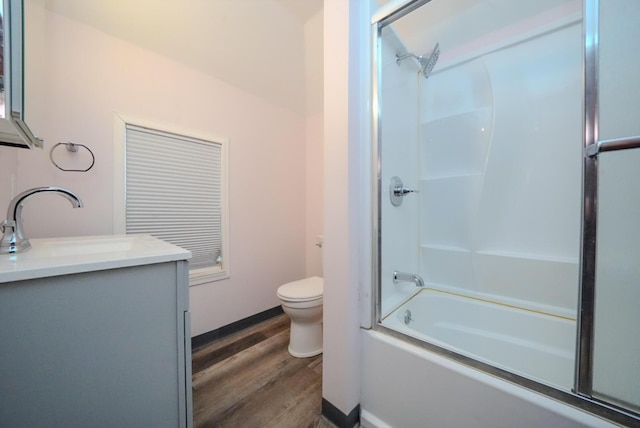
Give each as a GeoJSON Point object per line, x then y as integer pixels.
{"type": "Point", "coordinates": [407, 277]}
{"type": "Point", "coordinates": [13, 240]}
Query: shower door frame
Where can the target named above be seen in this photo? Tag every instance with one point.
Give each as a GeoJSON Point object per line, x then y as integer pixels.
{"type": "Point", "coordinates": [592, 147]}
{"type": "Point", "coordinates": [581, 395]}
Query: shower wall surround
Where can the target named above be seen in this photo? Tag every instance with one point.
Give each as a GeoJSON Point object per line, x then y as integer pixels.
{"type": "Point", "coordinates": [495, 208]}
{"type": "Point", "coordinates": [500, 150]}
{"type": "Point", "coordinates": [399, 89]}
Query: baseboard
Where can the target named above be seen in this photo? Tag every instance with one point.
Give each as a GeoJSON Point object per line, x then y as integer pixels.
{"type": "Point", "coordinates": [213, 335]}
{"type": "Point", "coordinates": [369, 420]}
{"type": "Point", "coordinates": [335, 415]}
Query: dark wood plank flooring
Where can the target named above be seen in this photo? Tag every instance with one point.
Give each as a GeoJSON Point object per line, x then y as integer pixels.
{"type": "Point", "coordinates": [248, 379]}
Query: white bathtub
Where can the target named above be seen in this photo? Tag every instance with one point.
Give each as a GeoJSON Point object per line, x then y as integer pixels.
{"type": "Point", "coordinates": [532, 344]}
{"type": "Point", "coordinates": [405, 386]}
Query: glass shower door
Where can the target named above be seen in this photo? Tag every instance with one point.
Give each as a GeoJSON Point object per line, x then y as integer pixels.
{"type": "Point", "coordinates": [616, 342]}
{"type": "Point", "coordinates": [508, 219]}
{"type": "Point", "coordinates": [480, 181]}
{"type": "Point", "coordinates": [616, 346]}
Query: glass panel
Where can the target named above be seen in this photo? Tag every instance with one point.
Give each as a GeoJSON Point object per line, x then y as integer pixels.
{"type": "Point", "coordinates": [616, 346]}
{"type": "Point", "coordinates": [616, 365]}
{"type": "Point", "coordinates": [481, 114]}
{"type": "Point", "coordinates": [619, 62]}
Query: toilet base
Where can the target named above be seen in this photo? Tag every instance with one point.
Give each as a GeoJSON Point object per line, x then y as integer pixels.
{"type": "Point", "coordinates": [306, 335]}
{"type": "Point", "coordinates": [306, 354]}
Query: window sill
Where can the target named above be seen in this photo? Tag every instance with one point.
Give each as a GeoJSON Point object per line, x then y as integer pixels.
{"type": "Point", "coordinates": [204, 275]}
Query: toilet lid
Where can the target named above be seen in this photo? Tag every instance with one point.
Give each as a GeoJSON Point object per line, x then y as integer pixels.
{"type": "Point", "coordinates": [304, 289]}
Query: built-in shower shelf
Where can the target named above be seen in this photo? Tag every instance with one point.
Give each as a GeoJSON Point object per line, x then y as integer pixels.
{"type": "Point", "coordinates": [529, 256]}
{"type": "Point", "coordinates": [461, 114]}
{"type": "Point", "coordinates": [504, 254]}
{"type": "Point", "coordinates": [445, 248]}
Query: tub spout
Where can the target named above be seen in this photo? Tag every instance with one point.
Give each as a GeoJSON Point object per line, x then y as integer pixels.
{"type": "Point", "coordinates": [407, 277]}
{"type": "Point", "coordinates": [14, 240]}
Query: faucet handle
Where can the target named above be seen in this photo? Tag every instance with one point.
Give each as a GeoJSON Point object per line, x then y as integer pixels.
{"type": "Point", "coordinates": [7, 223]}
{"type": "Point", "coordinates": [8, 241]}
{"type": "Point", "coordinates": [397, 191]}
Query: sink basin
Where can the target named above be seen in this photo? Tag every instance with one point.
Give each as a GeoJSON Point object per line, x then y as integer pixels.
{"type": "Point", "coordinates": [62, 256]}
{"type": "Point", "coordinates": [79, 247]}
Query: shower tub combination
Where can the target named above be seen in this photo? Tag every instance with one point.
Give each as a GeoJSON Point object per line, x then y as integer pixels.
{"type": "Point", "coordinates": [483, 244]}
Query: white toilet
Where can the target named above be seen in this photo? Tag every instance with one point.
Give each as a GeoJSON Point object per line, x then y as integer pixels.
{"type": "Point", "coordinates": [302, 302]}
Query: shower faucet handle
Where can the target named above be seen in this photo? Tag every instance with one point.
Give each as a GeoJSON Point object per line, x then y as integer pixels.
{"type": "Point", "coordinates": [397, 191]}
{"type": "Point", "coordinates": [401, 191]}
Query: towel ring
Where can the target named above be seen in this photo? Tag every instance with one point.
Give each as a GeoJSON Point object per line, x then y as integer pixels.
{"type": "Point", "coordinates": [72, 147]}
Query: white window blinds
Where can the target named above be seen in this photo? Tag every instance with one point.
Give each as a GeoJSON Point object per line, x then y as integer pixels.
{"type": "Point", "coordinates": [173, 191]}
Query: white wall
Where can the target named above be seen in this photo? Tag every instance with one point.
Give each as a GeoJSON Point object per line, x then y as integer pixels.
{"type": "Point", "coordinates": [8, 168]}
{"type": "Point", "coordinates": [314, 71]}
{"type": "Point", "coordinates": [89, 76]}
{"type": "Point", "coordinates": [314, 194]}
{"type": "Point", "coordinates": [343, 190]}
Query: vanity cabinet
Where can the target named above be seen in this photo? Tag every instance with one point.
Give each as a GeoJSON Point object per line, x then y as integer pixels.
{"type": "Point", "coordinates": [99, 348]}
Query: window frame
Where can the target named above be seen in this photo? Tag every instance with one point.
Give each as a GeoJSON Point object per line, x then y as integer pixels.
{"type": "Point", "coordinates": [120, 122]}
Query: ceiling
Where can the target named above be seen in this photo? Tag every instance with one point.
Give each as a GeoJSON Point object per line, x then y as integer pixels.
{"type": "Point", "coordinates": [255, 45]}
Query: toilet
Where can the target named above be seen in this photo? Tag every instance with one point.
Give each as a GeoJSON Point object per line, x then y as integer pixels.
{"type": "Point", "coordinates": [302, 302]}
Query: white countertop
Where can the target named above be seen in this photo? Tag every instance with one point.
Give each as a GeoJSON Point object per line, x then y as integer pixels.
{"type": "Point", "coordinates": [63, 256]}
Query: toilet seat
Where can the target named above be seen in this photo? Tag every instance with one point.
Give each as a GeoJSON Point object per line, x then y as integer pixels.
{"type": "Point", "coordinates": [304, 290]}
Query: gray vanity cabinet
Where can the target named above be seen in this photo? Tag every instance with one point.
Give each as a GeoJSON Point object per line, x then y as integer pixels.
{"type": "Point", "coordinates": [106, 348]}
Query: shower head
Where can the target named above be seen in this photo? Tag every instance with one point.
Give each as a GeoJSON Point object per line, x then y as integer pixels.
{"type": "Point", "coordinates": [426, 62]}
{"type": "Point", "coordinates": [429, 62]}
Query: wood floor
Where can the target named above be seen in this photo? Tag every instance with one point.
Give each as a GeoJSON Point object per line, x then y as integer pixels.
{"type": "Point", "coordinates": [248, 379]}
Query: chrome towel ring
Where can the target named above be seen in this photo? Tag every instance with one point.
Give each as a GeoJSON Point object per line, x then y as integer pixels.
{"type": "Point", "coordinates": [72, 147]}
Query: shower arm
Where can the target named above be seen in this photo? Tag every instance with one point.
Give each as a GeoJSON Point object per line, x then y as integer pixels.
{"type": "Point", "coordinates": [427, 62]}
{"type": "Point", "coordinates": [400, 58]}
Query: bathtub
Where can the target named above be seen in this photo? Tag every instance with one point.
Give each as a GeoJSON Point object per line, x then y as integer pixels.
{"type": "Point", "coordinates": [406, 386]}
{"type": "Point", "coordinates": [532, 344]}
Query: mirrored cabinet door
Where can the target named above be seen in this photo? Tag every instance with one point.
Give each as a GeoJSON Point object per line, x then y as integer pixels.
{"type": "Point", "coordinates": [13, 129]}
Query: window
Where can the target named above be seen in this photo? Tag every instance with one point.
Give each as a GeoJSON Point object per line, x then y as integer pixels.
{"type": "Point", "coordinates": [175, 189]}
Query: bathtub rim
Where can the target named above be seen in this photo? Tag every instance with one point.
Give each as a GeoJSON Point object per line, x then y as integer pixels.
{"type": "Point", "coordinates": [545, 310]}
{"type": "Point", "coordinates": [587, 404]}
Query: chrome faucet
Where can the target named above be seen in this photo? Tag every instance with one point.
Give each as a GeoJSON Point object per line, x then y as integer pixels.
{"type": "Point", "coordinates": [14, 240]}
{"type": "Point", "coordinates": [407, 277]}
